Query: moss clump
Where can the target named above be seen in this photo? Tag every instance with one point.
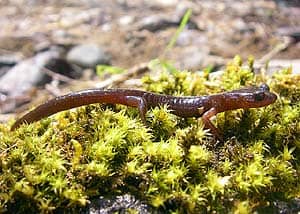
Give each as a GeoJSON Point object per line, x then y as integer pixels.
{"type": "Point", "coordinates": [65, 160]}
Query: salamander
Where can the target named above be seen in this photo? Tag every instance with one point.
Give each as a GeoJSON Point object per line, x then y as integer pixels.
{"type": "Point", "coordinates": [183, 106]}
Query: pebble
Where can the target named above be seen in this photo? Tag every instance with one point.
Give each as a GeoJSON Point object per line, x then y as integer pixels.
{"type": "Point", "coordinates": [277, 64]}
{"type": "Point", "coordinates": [126, 20]}
{"type": "Point", "coordinates": [156, 22]}
{"type": "Point", "coordinates": [191, 58]}
{"type": "Point", "coordinates": [192, 38]}
{"type": "Point", "coordinates": [88, 56]}
{"type": "Point", "coordinates": [3, 70]}
{"type": "Point", "coordinates": [293, 32]}
{"type": "Point", "coordinates": [162, 3]}
{"type": "Point", "coordinates": [9, 60]}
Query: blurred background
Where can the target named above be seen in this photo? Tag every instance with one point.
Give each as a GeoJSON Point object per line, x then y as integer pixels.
{"type": "Point", "coordinates": [49, 47]}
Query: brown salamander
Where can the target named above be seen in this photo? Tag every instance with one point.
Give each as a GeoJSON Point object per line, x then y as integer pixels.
{"type": "Point", "coordinates": [186, 106]}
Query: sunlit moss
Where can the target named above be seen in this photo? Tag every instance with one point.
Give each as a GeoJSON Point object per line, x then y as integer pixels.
{"type": "Point", "coordinates": [171, 163]}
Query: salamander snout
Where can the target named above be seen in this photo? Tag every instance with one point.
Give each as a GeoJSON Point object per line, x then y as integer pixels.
{"type": "Point", "coordinates": [272, 97]}
{"type": "Point", "coordinates": [264, 96]}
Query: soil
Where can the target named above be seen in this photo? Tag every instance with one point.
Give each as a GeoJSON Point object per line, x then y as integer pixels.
{"type": "Point", "coordinates": [226, 27]}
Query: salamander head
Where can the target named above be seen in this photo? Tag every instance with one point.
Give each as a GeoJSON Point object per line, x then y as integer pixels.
{"type": "Point", "coordinates": [254, 97]}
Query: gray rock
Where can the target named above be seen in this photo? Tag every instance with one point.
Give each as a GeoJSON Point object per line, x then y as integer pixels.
{"type": "Point", "coordinates": [192, 38]}
{"type": "Point", "coordinates": [275, 65]}
{"type": "Point", "coordinates": [26, 74]}
{"type": "Point", "coordinates": [191, 58]}
{"type": "Point", "coordinates": [3, 70]}
{"type": "Point", "coordinates": [126, 20]}
{"type": "Point", "coordinates": [285, 63]}
{"type": "Point", "coordinates": [17, 81]}
{"type": "Point", "coordinates": [162, 3]}
{"type": "Point", "coordinates": [293, 32]}
{"type": "Point", "coordinates": [88, 56]}
{"type": "Point", "coordinates": [157, 22]}
{"type": "Point", "coordinates": [282, 207]}
{"type": "Point", "coordinates": [10, 60]}
{"type": "Point", "coordinates": [119, 204]}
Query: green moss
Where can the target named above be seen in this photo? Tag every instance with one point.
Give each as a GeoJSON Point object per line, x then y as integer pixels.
{"type": "Point", "coordinates": [65, 160]}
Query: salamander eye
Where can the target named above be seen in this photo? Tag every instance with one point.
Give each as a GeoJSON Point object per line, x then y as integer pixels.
{"type": "Point", "coordinates": [264, 87]}
{"type": "Point", "coordinates": [259, 96]}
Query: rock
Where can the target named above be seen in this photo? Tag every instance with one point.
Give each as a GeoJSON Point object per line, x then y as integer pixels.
{"type": "Point", "coordinates": [126, 20]}
{"type": "Point", "coordinates": [3, 70]}
{"type": "Point", "coordinates": [61, 66]}
{"type": "Point", "coordinates": [192, 38]}
{"type": "Point", "coordinates": [157, 22]}
{"type": "Point", "coordinates": [163, 21]}
{"type": "Point", "coordinates": [275, 65]}
{"type": "Point", "coordinates": [293, 32]}
{"type": "Point", "coordinates": [284, 207]}
{"type": "Point", "coordinates": [9, 60]}
{"type": "Point", "coordinates": [162, 3]}
{"type": "Point", "coordinates": [17, 82]}
{"type": "Point", "coordinates": [88, 56]}
{"type": "Point", "coordinates": [26, 74]}
{"type": "Point", "coordinates": [119, 204]}
{"type": "Point", "coordinates": [191, 58]}
{"type": "Point", "coordinates": [241, 27]}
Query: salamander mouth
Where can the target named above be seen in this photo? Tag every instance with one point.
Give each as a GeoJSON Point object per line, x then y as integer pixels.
{"type": "Point", "coordinates": [269, 96]}
{"type": "Point", "coordinates": [272, 97]}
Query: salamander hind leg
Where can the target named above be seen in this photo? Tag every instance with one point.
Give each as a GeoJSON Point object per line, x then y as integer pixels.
{"type": "Point", "coordinates": [140, 103]}
{"type": "Point", "coordinates": [208, 124]}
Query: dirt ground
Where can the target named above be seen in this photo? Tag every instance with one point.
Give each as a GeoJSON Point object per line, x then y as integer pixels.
{"type": "Point", "coordinates": [220, 28]}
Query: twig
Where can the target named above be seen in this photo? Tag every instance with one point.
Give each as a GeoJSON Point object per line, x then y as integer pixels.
{"type": "Point", "coordinates": [115, 79]}
{"type": "Point", "coordinates": [57, 76]}
{"type": "Point", "coordinates": [280, 47]}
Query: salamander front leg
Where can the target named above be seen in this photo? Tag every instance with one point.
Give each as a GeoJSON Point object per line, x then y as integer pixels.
{"type": "Point", "coordinates": [140, 103]}
{"type": "Point", "coordinates": [208, 124]}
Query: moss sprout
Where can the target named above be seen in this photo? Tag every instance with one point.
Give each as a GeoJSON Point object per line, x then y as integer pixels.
{"type": "Point", "coordinates": [67, 159]}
